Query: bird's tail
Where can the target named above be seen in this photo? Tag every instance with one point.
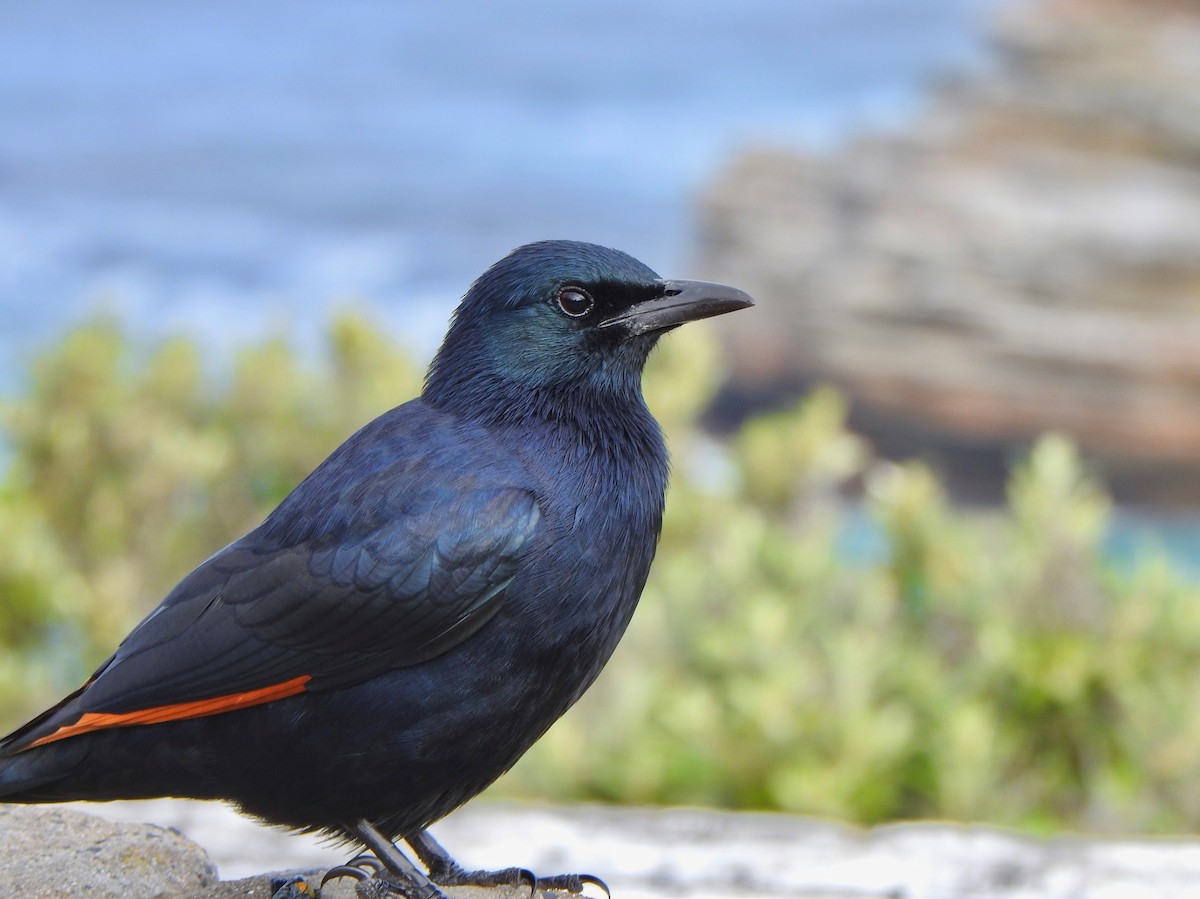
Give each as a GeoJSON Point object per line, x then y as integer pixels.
{"type": "Point", "coordinates": [30, 776]}
{"type": "Point", "coordinates": [27, 773]}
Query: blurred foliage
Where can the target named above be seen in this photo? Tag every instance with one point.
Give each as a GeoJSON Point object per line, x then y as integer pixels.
{"type": "Point", "coordinates": [985, 666]}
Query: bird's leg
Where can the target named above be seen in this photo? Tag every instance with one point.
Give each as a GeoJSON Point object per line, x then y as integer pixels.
{"type": "Point", "coordinates": [387, 869]}
{"type": "Point", "coordinates": [446, 872]}
{"type": "Point", "coordinates": [434, 857]}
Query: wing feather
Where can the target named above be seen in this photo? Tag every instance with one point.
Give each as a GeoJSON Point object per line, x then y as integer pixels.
{"type": "Point", "coordinates": [323, 606]}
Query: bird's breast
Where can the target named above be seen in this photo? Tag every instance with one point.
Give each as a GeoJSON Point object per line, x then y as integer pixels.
{"type": "Point", "coordinates": [581, 577]}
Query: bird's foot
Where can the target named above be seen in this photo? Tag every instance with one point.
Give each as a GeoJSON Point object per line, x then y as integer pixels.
{"type": "Point", "coordinates": [574, 883]}
{"type": "Point", "coordinates": [376, 882]}
{"type": "Point", "coordinates": [446, 872]}
{"type": "Point", "coordinates": [380, 887]}
{"type": "Point", "coordinates": [361, 867]}
{"type": "Point", "coordinates": [520, 877]}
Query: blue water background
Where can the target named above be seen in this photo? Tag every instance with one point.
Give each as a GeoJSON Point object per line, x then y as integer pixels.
{"type": "Point", "coordinates": [222, 168]}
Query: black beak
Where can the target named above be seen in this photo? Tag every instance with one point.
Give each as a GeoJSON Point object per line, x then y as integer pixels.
{"type": "Point", "coordinates": [681, 302]}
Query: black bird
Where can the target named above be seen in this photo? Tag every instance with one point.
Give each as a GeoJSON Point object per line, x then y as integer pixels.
{"type": "Point", "coordinates": [424, 605]}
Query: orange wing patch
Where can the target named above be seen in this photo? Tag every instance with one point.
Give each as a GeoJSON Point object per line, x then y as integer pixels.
{"type": "Point", "coordinates": [177, 712]}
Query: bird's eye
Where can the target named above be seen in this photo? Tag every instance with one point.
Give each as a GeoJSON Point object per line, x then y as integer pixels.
{"type": "Point", "coordinates": [575, 302]}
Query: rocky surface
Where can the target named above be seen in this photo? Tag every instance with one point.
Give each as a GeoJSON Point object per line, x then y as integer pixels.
{"type": "Point", "coordinates": [1024, 257]}
{"type": "Point", "coordinates": [50, 853]}
{"type": "Point", "coordinates": [642, 853]}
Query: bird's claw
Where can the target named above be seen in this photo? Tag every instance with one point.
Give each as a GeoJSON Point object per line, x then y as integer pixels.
{"type": "Point", "coordinates": [516, 877]}
{"type": "Point", "coordinates": [572, 883]}
{"type": "Point", "coordinates": [575, 884]}
{"type": "Point", "coordinates": [509, 877]}
{"type": "Point", "coordinates": [361, 867]}
{"type": "Point", "coordinates": [374, 881]}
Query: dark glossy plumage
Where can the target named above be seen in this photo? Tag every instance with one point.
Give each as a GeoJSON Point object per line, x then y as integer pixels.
{"type": "Point", "coordinates": [428, 601]}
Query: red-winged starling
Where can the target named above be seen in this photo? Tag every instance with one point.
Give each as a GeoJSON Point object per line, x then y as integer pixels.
{"type": "Point", "coordinates": [424, 605]}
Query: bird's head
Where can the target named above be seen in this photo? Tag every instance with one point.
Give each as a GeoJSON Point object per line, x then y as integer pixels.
{"type": "Point", "coordinates": [563, 316]}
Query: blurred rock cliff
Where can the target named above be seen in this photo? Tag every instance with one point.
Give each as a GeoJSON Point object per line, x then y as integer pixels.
{"type": "Point", "coordinates": [1024, 257]}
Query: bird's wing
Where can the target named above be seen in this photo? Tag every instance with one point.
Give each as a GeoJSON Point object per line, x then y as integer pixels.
{"type": "Point", "coordinates": [261, 621]}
